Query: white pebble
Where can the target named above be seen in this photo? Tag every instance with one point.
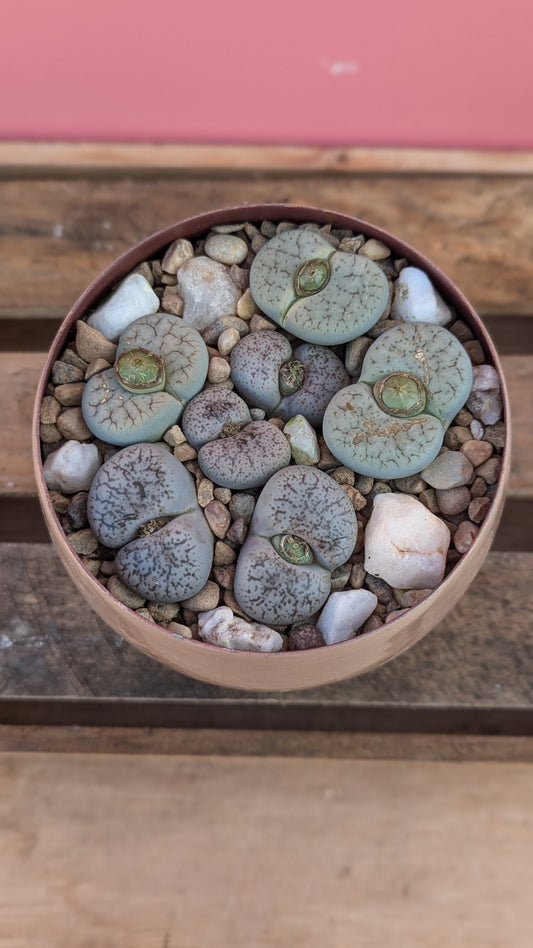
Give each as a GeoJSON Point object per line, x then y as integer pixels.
{"type": "Point", "coordinates": [72, 467]}
{"type": "Point", "coordinates": [484, 378]}
{"type": "Point", "coordinates": [133, 298]}
{"type": "Point", "coordinates": [344, 613]}
{"type": "Point", "coordinates": [221, 627]}
{"type": "Point", "coordinates": [207, 291]}
{"type": "Point", "coordinates": [405, 544]}
{"type": "Point", "coordinates": [416, 299]}
{"type": "Point", "coordinates": [176, 255]}
{"type": "Point", "coordinates": [226, 248]}
{"type": "Point", "coordinates": [477, 429]}
{"type": "Point", "coordinates": [303, 440]}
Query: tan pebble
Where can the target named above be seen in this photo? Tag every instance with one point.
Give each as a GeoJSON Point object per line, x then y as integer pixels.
{"type": "Point", "coordinates": [372, 623]}
{"type": "Point", "coordinates": [108, 567]}
{"type": "Point", "coordinates": [374, 250]}
{"type": "Point", "coordinates": [475, 351]}
{"type": "Point", "coordinates": [92, 564]}
{"type": "Point", "coordinates": [204, 600]}
{"type": "Point", "coordinates": [99, 365]}
{"type": "Point", "coordinates": [163, 612]}
{"type": "Point", "coordinates": [357, 499]}
{"type": "Point", "coordinates": [489, 470]}
{"type": "Point", "coordinates": [177, 628]}
{"type": "Point", "coordinates": [429, 498]}
{"type": "Point", "coordinates": [453, 500]}
{"type": "Point", "coordinates": [83, 541]}
{"type": "Point", "coordinates": [395, 614]}
{"type": "Point", "coordinates": [218, 518]}
{"type": "Point", "coordinates": [92, 344]}
{"type": "Point", "coordinates": [327, 459]}
{"type": "Point", "coordinates": [189, 617]}
{"type": "Point", "coordinates": [219, 369]}
{"type": "Point", "coordinates": [72, 426]}
{"type": "Point", "coordinates": [343, 475]}
{"type": "Point", "coordinates": [223, 494]}
{"type": "Point", "coordinates": [224, 554]}
{"type": "Point", "coordinates": [351, 244]}
{"type": "Point", "coordinates": [464, 418]}
{"type": "Point", "coordinates": [477, 451]}
{"type": "Point", "coordinates": [124, 594]}
{"type": "Point", "coordinates": [59, 502]}
{"type": "Point", "coordinates": [50, 410]}
{"type": "Point", "coordinates": [277, 422]}
{"type": "Point", "coordinates": [357, 576]}
{"type": "Point", "coordinates": [185, 452]}
{"type": "Point", "coordinates": [257, 242]}
{"type": "Point", "coordinates": [411, 597]}
{"type": "Point", "coordinates": [144, 613]}
{"type": "Point", "coordinates": [231, 602]}
{"type": "Point", "coordinates": [194, 468]}
{"type": "Point", "coordinates": [246, 307]}
{"type": "Point", "coordinates": [259, 323]}
{"type": "Point", "coordinates": [479, 487]}
{"type": "Point", "coordinates": [464, 536]}
{"type": "Point", "coordinates": [457, 436]}
{"type": "Point", "coordinates": [224, 575]}
{"type": "Point", "coordinates": [49, 434]}
{"type": "Point", "coordinates": [227, 341]}
{"type": "Point", "coordinates": [174, 436]}
{"type": "Point", "coordinates": [70, 394]}
{"type": "Point", "coordinates": [172, 303]}
{"type": "Point", "coordinates": [479, 508]}
{"type": "Point", "coordinates": [176, 255]}
{"type": "Point", "coordinates": [205, 492]}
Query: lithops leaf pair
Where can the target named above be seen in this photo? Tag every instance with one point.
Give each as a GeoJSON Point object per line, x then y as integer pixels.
{"type": "Point", "coordinates": [414, 379]}
{"type": "Point", "coordinates": [143, 501]}
{"type": "Point", "coordinates": [160, 364]}
{"type": "Point", "coordinates": [270, 375]}
{"type": "Point", "coordinates": [302, 528]}
{"type": "Point", "coordinates": [316, 292]}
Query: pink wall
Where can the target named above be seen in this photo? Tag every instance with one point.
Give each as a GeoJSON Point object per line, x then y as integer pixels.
{"type": "Point", "coordinates": [458, 73]}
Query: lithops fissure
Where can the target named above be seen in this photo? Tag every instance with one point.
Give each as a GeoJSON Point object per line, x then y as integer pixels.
{"type": "Point", "coordinates": [143, 500]}
{"type": "Point", "coordinates": [286, 382]}
{"type": "Point", "coordinates": [414, 379]}
{"type": "Point", "coordinates": [316, 292]}
{"type": "Point", "coordinates": [160, 364]}
{"type": "Point", "coordinates": [284, 569]}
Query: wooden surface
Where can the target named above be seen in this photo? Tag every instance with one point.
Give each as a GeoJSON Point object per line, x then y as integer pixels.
{"type": "Point", "coordinates": [181, 852]}
{"type": "Point", "coordinates": [67, 211]}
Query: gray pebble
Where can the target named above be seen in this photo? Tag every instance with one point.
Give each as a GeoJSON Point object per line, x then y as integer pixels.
{"type": "Point", "coordinates": [226, 248]}
{"type": "Point", "coordinates": [454, 500]}
{"type": "Point", "coordinates": [449, 469]}
{"type": "Point", "coordinates": [242, 505]}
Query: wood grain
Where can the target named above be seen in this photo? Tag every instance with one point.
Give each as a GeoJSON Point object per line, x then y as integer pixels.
{"type": "Point", "coordinates": [58, 233]}
{"type": "Point", "coordinates": [133, 852]}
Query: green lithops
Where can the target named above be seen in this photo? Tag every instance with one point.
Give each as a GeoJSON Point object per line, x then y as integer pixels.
{"type": "Point", "coordinates": [414, 379]}
{"type": "Point", "coordinates": [316, 292]}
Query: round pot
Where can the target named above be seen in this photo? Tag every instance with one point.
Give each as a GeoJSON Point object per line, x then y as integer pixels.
{"type": "Point", "coordinates": [291, 669]}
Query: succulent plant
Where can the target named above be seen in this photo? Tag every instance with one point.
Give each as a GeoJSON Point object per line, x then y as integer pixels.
{"type": "Point", "coordinates": [316, 292]}
{"type": "Point", "coordinates": [160, 364]}
{"type": "Point", "coordinates": [284, 569]}
{"type": "Point", "coordinates": [414, 379]}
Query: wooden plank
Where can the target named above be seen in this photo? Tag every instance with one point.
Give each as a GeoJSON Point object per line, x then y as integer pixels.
{"type": "Point", "coordinates": [224, 852]}
{"type": "Point", "coordinates": [57, 234]}
{"type": "Point", "coordinates": [19, 375]}
{"type": "Point", "coordinates": [54, 647]}
{"type": "Point", "coordinates": [64, 156]}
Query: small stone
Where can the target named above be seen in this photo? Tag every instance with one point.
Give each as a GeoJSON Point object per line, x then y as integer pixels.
{"type": "Point", "coordinates": [207, 291]}
{"type": "Point", "coordinates": [357, 576]}
{"type": "Point", "coordinates": [495, 434]}
{"type": "Point", "coordinates": [92, 344]}
{"type": "Point", "coordinates": [344, 476]}
{"type": "Point", "coordinates": [224, 575]}
{"type": "Point", "coordinates": [490, 470]}
{"type": "Point", "coordinates": [83, 541]}
{"type": "Point", "coordinates": [475, 351]}
{"type": "Point", "coordinates": [63, 373]}
{"type": "Point", "coordinates": [374, 250]}
{"type": "Point", "coordinates": [176, 255]}
{"type": "Point", "coordinates": [456, 436]}
{"type": "Point", "coordinates": [461, 331]}
{"type": "Point", "coordinates": [464, 536]}
{"type": "Point", "coordinates": [72, 467]}
{"type": "Point", "coordinates": [464, 418]}
{"type": "Point", "coordinates": [207, 598]}
{"type": "Point", "coordinates": [240, 277]}
{"type": "Point", "coordinates": [414, 484]}
{"type": "Point", "coordinates": [242, 505]}
{"type": "Point", "coordinates": [92, 563]}
{"type": "Point", "coordinates": [344, 613]}
{"type": "Point", "coordinates": [327, 461]}
{"type": "Point", "coordinates": [258, 414]}
{"type": "Point", "coordinates": [449, 469]}
{"type": "Point", "coordinates": [302, 637]}
{"type": "Point", "coordinates": [477, 451]}
{"type": "Point", "coordinates": [185, 452]}
{"type": "Point", "coordinates": [227, 341]}
{"type": "Point", "coordinates": [303, 440]}
{"type": "Point", "coordinates": [246, 307]}
{"type": "Point", "coordinates": [174, 436]}
{"type": "Point", "coordinates": [395, 614]}
{"type": "Point", "coordinates": [351, 244]}
{"type": "Point", "coordinates": [226, 248]}
{"type": "Point", "coordinates": [380, 588]}
{"type": "Point", "coordinates": [50, 410]}
{"type": "Point", "coordinates": [205, 492]}
{"type": "Point", "coordinates": [416, 299]}
{"type": "Point", "coordinates": [372, 623]}
{"type": "Point", "coordinates": [340, 577]}
{"type": "Point", "coordinates": [478, 488]}
{"type": "Point", "coordinates": [163, 612]}
{"type": "Point", "coordinates": [221, 627]}
{"type": "Point", "coordinates": [407, 598]}
{"type": "Point", "coordinates": [179, 630]}
{"type": "Point", "coordinates": [99, 365]}
{"type": "Point", "coordinates": [59, 502]}
{"type": "Point", "coordinates": [405, 544]}
{"type": "Point", "coordinates": [72, 425]}
{"type": "Point", "coordinates": [132, 299]}
{"type": "Point", "coordinates": [429, 499]}
{"type": "Point", "coordinates": [364, 484]}
{"type": "Point", "coordinates": [453, 501]}
{"type": "Point", "coordinates": [218, 518]}
{"type": "Point", "coordinates": [231, 603]}
{"type": "Point", "coordinates": [477, 429]}
{"type": "Point", "coordinates": [259, 323]}
{"type": "Point", "coordinates": [172, 303]}
{"type": "Point", "coordinates": [358, 500]}
{"type": "Point", "coordinates": [71, 357]}
{"type": "Point", "coordinates": [238, 531]}
{"type": "Point", "coordinates": [77, 510]}
{"type": "Point", "coordinates": [70, 394]}
{"type": "Point", "coordinates": [355, 352]}
{"type": "Point", "coordinates": [224, 554]}
{"type": "Point", "coordinates": [211, 335]}
{"type": "Point", "coordinates": [223, 494]}
{"type": "Point", "coordinates": [219, 369]}
{"type": "Point", "coordinates": [228, 228]}
{"type": "Point", "coordinates": [124, 595]}
{"type": "Point", "coordinates": [485, 400]}
{"type": "Point", "coordinates": [479, 508]}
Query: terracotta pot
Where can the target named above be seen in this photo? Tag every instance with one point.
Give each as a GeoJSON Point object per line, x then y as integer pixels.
{"type": "Point", "coordinates": [282, 670]}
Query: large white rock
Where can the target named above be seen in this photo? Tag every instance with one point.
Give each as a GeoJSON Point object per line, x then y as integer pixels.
{"type": "Point", "coordinates": [132, 299]}
{"type": "Point", "coordinates": [344, 613]}
{"type": "Point", "coordinates": [405, 544]}
{"type": "Point", "coordinates": [207, 291]}
{"type": "Point", "coordinates": [221, 627]}
{"type": "Point", "coordinates": [416, 299]}
{"type": "Point", "coordinates": [72, 467]}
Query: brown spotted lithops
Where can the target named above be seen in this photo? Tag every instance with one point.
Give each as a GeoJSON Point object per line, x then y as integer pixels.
{"type": "Point", "coordinates": [284, 569]}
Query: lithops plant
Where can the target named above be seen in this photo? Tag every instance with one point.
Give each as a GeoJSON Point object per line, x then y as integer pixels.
{"type": "Point", "coordinates": [414, 379]}
{"type": "Point", "coordinates": [246, 459]}
{"type": "Point", "coordinates": [270, 375]}
{"type": "Point", "coordinates": [160, 364]}
{"type": "Point", "coordinates": [316, 292]}
{"type": "Point", "coordinates": [284, 569]}
{"type": "Point", "coordinates": [143, 502]}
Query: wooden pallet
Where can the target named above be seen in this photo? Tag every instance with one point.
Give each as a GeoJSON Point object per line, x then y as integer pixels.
{"type": "Point", "coordinates": [69, 682]}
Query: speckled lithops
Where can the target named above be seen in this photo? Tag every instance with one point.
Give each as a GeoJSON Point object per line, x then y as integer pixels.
{"type": "Point", "coordinates": [284, 569]}
{"type": "Point", "coordinates": [270, 375]}
{"type": "Point", "coordinates": [143, 501]}
{"type": "Point", "coordinates": [214, 413]}
{"type": "Point", "coordinates": [316, 292]}
{"type": "Point", "coordinates": [160, 364]}
{"type": "Point", "coordinates": [414, 379]}
{"type": "Point", "coordinates": [246, 459]}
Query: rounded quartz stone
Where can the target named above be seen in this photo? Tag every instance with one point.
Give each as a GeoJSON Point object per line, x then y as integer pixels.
{"type": "Point", "coordinates": [319, 294]}
{"type": "Point", "coordinates": [72, 467]}
{"type": "Point", "coordinates": [416, 299]}
{"type": "Point", "coordinates": [133, 298]}
{"type": "Point", "coordinates": [344, 614]}
{"type": "Point", "coordinates": [212, 414]}
{"type": "Point", "coordinates": [221, 627]}
{"type": "Point", "coordinates": [207, 291]}
{"type": "Point", "coordinates": [138, 484]}
{"type": "Point", "coordinates": [246, 459]}
{"type": "Point", "coordinates": [303, 510]}
{"type": "Point", "coordinates": [255, 365]}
